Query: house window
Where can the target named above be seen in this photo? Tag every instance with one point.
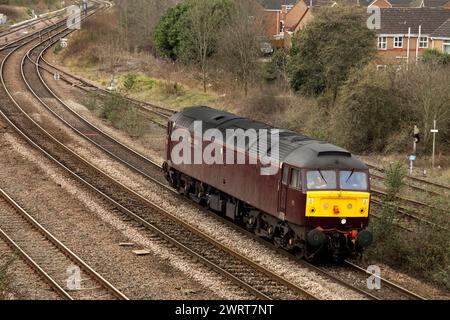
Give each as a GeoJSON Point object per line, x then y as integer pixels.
{"type": "Point", "coordinates": [423, 42]}
{"type": "Point", "coordinates": [446, 46]}
{"type": "Point", "coordinates": [398, 42]}
{"type": "Point", "coordinates": [382, 43]}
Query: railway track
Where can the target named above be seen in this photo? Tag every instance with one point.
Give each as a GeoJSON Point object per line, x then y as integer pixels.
{"type": "Point", "coordinates": [395, 290]}
{"type": "Point", "coordinates": [412, 210]}
{"type": "Point", "coordinates": [34, 82]}
{"type": "Point", "coordinates": [138, 162]}
{"type": "Point", "coordinates": [49, 257]}
{"type": "Point", "coordinates": [147, 162]}
{"type": "Point", "coordinates": [47, 20]}
{"type": "Point", "coordinates": [413, 182]}
{"type": "Point", "coordinates": [259, 281]}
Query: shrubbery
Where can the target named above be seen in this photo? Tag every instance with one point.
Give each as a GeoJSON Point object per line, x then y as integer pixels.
{"type": "Point", "coordinates": [424, 252]}
{"type": "Point", "coordinates": [121, 115]}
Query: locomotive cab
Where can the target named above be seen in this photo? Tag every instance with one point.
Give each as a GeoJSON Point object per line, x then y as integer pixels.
{"type": "Point", "coordinates": [330, 197]}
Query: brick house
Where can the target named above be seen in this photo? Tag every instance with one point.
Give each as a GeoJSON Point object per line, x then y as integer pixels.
{"type": "Point", "coordinates": [284, 17]}
{"type": "Point", "coordinates": [274, 12]}
{"type": "Point", "coordinates": [406, 32]}
{"type": "Point", "coordinates": [440, 38]}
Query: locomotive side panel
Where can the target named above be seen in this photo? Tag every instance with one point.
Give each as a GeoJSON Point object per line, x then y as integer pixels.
{"type": "Point", "coordinates": [242, 181]}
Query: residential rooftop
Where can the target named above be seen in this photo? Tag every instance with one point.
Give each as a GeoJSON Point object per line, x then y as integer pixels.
{"type": "Point", "coordinates": [398, 20]}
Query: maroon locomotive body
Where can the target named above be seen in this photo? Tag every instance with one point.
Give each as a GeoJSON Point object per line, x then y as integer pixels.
{"type": "Point", "coordinates": [314, 198]}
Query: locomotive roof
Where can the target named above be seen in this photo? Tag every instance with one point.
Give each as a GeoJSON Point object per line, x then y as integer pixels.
{"type": "Point", "coordinates": [294, 148]}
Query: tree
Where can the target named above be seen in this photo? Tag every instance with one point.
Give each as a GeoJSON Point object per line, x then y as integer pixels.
{"type": "Point", "coordinates": [277, 68]}
{"type": "Point", "coordinates": [169, 33]}
{"type": "Point", "coordinates": [368, 111]}
{"type": "Point", "coordinates": [240, 42]}
{"type": "Point", "coordinates": [323, 53]}
{"type": "Point", "coordinates": [204, 20]}
{"type": "Point", "coordinates": [425, 92]}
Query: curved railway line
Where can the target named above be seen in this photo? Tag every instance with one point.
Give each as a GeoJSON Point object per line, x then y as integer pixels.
{"type": "Point", "coordinates": [143, 164]}
{"type": "Point", "coordinates": [411, 209]}
{"type": "Point", "coordinates": [261, 282]}
{"type": "Point", "coordinates": [49, 257]}
{"type": "Point", "coordinates": [409, 214]}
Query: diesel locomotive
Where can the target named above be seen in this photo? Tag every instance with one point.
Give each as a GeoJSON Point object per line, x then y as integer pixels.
{"type": "Point", "coordinates": [316, 202]}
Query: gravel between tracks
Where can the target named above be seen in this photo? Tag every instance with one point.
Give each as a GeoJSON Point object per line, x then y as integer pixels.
{"type": "Point", "coordinates": [24, 283]}
{"type": "Point", "coordinates": [305, 278]}
{"type": "Point", "coordinates": [152, 146]}
{"type": "Point", "coordinates": [94, 232]}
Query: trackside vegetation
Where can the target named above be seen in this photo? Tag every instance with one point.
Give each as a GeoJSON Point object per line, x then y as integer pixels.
{"type": "Point", "coordinates": [423, 253]}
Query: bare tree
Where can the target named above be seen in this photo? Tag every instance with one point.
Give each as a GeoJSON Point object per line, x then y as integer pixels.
{"type": "Point", "coordinates": [204, 20]}
{"type": "Point", "coordinates": [240, 42]}
{"type": "Point", "coordinates": [137, 19]}
{"type": "Point", "coordinates": [426, 91]}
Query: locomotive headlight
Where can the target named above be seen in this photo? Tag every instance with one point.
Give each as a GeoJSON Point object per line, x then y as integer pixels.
{"type": "Point", "coordinates": [349, 206]}
{"type": "Point", "coordinates": [362, 210]}
{"type": "Point", "coordinates": [326, 206]}
{"type": "Point", "coordinates": [344, 221]}
{"type": "Point", "coordinates": [312, 210]}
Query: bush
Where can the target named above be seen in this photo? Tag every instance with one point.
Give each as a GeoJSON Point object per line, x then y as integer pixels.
{"type": "Point", "coordinates": [168, 34]}
{"type": "Point", "coordinates": [434, 56]}
{"type": "Point", "coordinates": [395, 175]}
{"type": "Point", "coordinates": [262, 106]}
{"type": "Point", "coordinates": [92, 101]}
{"type": "Point", "coordinates": [367, 113]}
{"type": "Point", "coordinates": [171, 88]}
{"type": "Point", "coordinates": [130, 81]}
{"type": "Point", "coordinates": [324, 53]}
{"type": "Point", "coordinates": [122, 116]}
{"type": "Point", "coordinates": [425, 252]}
{"type": "Point", "coordinates": [131, 122]}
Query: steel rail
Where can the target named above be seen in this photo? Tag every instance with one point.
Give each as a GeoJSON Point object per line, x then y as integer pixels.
{"type": "Point", "coordinates": [60, 246]}
{"type": "Point", "coordinates": [129, 212]}
{"type": "Point", "coordinates": [38, 66]}
{"type": "Point", "coordinates": [385, 281]}
{"type": "Point", "coordinates": [342, 282]}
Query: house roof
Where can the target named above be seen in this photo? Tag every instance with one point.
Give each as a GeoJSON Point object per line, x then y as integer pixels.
{"type": "Point", "coordinates": [398, 20]}
{"type": "Point", "coordinates": [394, 3]}
{"type": "Point", "coordinates": [402, 3]}
{"type": "Point", "coordinates": [435, 3]}
{"type": "Point", "coordinates": [276, 4]}
{"type": "Point", "coordinates": [443, 31]}
{"type": "Point", "coordinates": [320, 3]}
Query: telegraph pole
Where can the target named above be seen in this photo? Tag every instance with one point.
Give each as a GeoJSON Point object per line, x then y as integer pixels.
{"type": "Point", "coordinates": [434, 131]}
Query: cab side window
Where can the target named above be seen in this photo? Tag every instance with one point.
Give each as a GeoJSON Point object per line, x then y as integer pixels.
{"type": "Point", "coordinates": [296, 179]}
{"type": "Point", "coordinates": [285, 175]}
